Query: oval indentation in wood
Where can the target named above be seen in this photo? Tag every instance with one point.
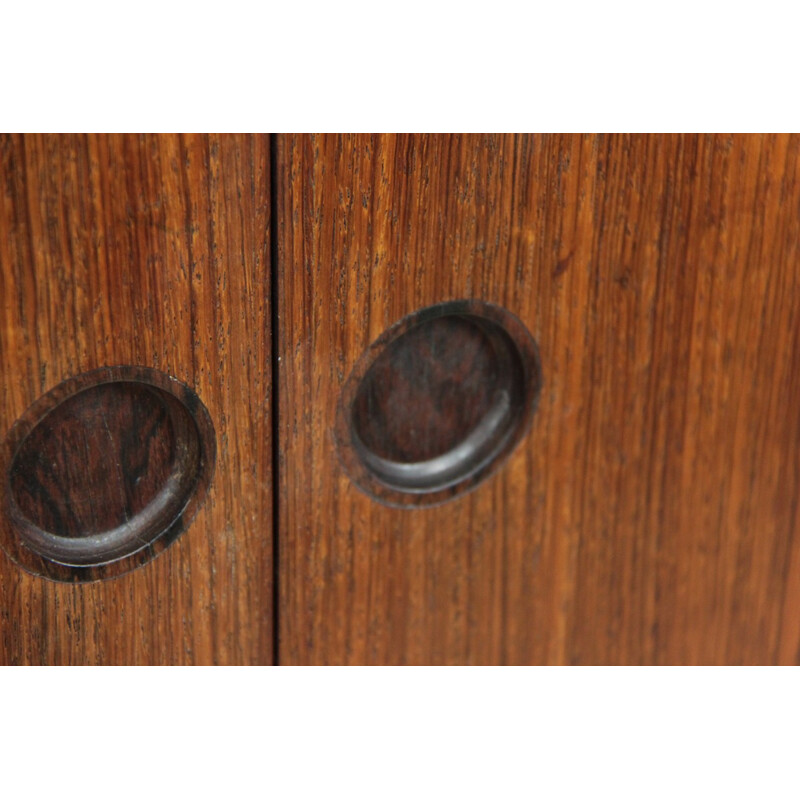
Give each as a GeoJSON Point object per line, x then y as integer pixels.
{"type": "Point", "coordinates": [437, 402]}
{"type": "Point", "coordinates": [104, 472]}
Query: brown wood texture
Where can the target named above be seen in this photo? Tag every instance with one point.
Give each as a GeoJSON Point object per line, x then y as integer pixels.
{"type": "Point", "coordinates": [63, 479]}
{"type": "Point", "coordinates": [437, 380]}
{"type": "Point", "coordinates": [437, 403]}
{"type": "Point", "coordinates": [150, 251]}
{"type": "Point", "coordinates": [651, 515]}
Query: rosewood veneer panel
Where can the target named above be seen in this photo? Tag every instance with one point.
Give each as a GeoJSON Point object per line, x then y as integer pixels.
{"type": "Point", "coordinates": [150, 251]}
{"type": "Point", "coordinates": [650, 515]}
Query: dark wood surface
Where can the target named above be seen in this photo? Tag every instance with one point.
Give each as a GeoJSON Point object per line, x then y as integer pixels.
{"type": "Point", "coordinates": [427, 391]}
{"type": "Point", "coordinates": [650, 515]}
{"type": "Point", "coordinates": [150, 251]}
{"type": "Point", "coordinates": [437, 403]}
{"type": "Point", "coordinates": [62, 477]}
{"type": "Point", "coordinates": [104, 471]}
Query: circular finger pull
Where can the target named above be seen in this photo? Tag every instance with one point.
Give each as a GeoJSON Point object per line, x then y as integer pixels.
{"type": "Point", "coordinates": [437, 402]}
{"type": "Point", "coordinates": [104, 472]}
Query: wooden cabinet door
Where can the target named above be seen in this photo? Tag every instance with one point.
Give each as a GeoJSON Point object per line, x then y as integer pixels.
{"type": "Point", "coordinates": [147, 252]}
{"type": "Point", "coordinates": [650, 515]}
{"type": "Point", "coordinates": [642, 293]}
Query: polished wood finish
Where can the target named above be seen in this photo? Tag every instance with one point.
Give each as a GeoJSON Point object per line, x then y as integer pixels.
{"type": "Point", "coordinates": [149, 251]}
{"type": "Point", "coordinates": [651, 514]}
{"type": "Point", "coordinates": [427, 391]}
{"type": "Point", "coordinates": [437, 403]}
{"type": "Point", "coordinates": [62, 478]}
{"type": "Point", "coordinates": [103, 472]}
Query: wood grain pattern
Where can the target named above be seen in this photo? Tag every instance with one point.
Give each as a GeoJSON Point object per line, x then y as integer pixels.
{"type": "Point", "coordinates": [437, 403]}
{"type": "Point", "coordinates": [427, 391]}
{"type": "Point", "coordinates": [651, 515]}
{"type": "Point", "coordinates": [62, 477]}
{"type": "Point", "coordinates": [104, 472]}
{"type": "Point", "coordinates": [149, 251]}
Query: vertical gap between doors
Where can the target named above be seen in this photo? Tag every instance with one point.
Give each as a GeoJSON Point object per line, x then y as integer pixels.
{"type": "Point", "coordinates": [275, 391]}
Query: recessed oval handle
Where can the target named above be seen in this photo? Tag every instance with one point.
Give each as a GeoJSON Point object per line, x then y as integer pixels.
{"type": "Point", "coordinates": [437, 402]}
{"type": "Point", "coordinates": [103, 472]}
